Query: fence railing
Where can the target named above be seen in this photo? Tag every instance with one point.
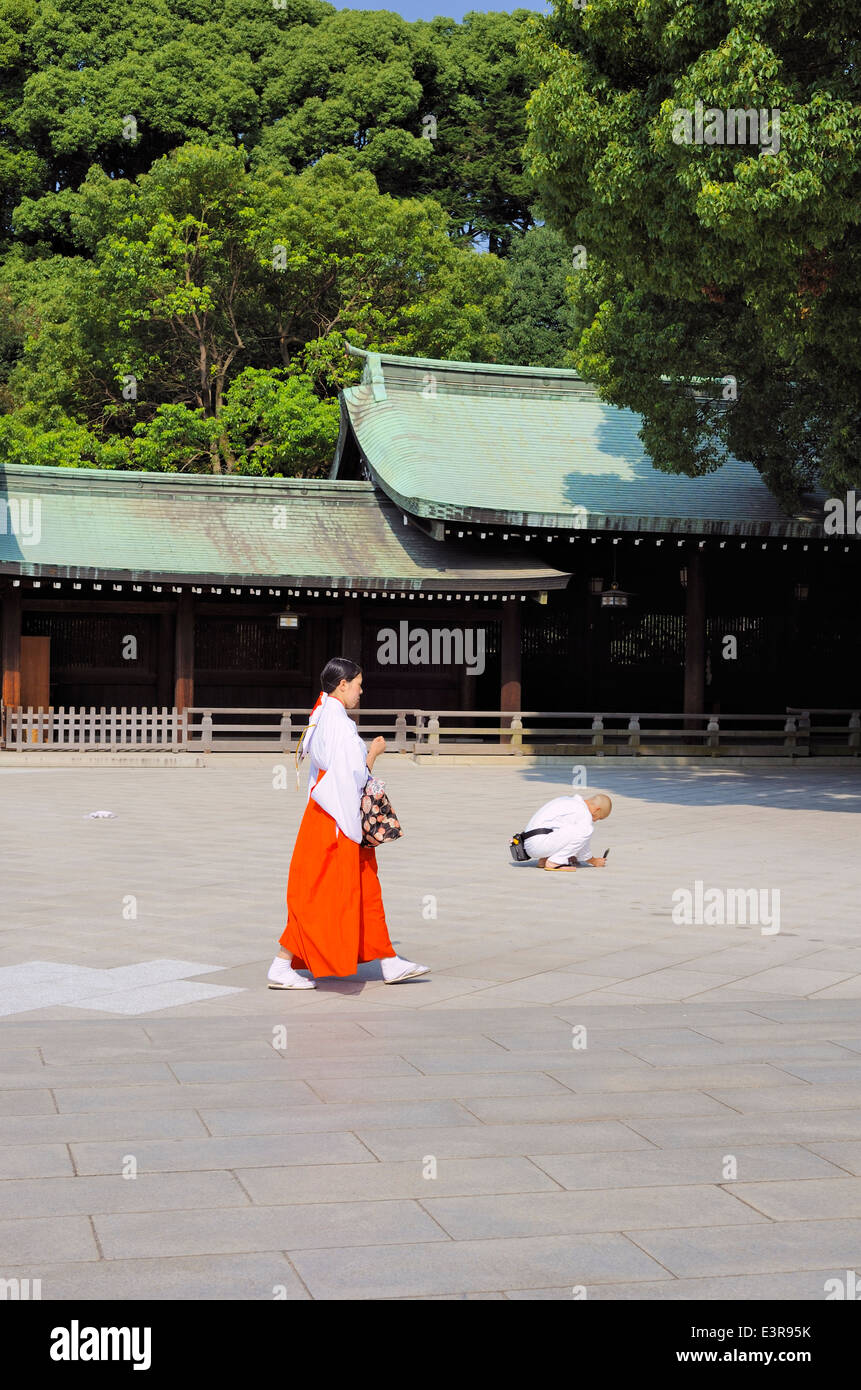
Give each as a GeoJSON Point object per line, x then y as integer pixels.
{"type": "Point", "coordinates": [796, 732]}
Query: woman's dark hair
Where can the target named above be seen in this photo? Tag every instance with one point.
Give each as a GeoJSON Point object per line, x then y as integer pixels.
{"type": "Point", "coordinates": [340, 668]}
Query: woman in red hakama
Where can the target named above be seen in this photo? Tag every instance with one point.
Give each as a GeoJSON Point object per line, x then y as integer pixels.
{"type": "Point", "coordinates": [335, 915]}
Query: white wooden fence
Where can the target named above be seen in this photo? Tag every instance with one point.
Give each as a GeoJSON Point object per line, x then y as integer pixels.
{"type": "Point", "coordinates": [84, 729]}
{"type": "Point", "coordinates": [796, 733]}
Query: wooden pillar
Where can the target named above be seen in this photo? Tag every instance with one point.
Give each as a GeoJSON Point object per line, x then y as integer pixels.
{"type": "Point", "coordinates": [164, 692]}
{"type": "Point", "coordinates": [695, 635]}
{"type": "Point", "coordinates": [351, 631]}
{"type": "Point", "coordinates": [183, 687]}
{"type": "Point", "coordinates": [11, 650]}
{"type": "Point", "coordinates": [510, 662]}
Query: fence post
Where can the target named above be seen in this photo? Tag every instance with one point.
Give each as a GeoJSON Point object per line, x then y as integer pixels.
{"type": "Point", "coordinates": [286, 734]}
{"type": "Point", "coordinates": [713, 733]}
{"type": "Point", "coordinates": [206, 731]}
{"type": "Point", "coordinates": [183, 729]}
{"type": "Point", "coordinates": [804, 732]}
{"type": "Point", "coordinates": [433, 734]}
{"type": "Point", "coordinates": [855, 729]}
{"type": "Point", "coordinates": [400, 733]}
{"type": "Point", "coordinates": [516, 740]}
{"type": "Point", "coordinates": [420, 727]}
{"type": "Point", "coordinates": [634, 731]}
{"type": "Point", "coordinates": [790, 730]}
{"type": "Point", "coordinates": [598, 731]}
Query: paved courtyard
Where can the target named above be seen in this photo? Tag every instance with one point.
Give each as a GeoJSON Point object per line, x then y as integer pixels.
{"type": "Point", "coordinates": [589, 1096]}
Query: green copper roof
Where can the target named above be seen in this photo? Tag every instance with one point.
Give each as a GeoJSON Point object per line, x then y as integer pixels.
{"type": "Point", "coordinates": [535, 447]}
{"type": "Point", "coordinates": [90, 523]}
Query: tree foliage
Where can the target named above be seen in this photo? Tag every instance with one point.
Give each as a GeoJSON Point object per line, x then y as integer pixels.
{"type": "Point", "coordinates": [199, 207]}
{"type": "Point", "coordinates": [203, 294]}
{"type": "Point", "coordinates": [738, 263]}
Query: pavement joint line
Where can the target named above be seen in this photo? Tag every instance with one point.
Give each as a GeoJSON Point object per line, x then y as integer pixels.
{"type": "Point", "coordinates": [628, 1236]}
{"type": "Point", "coordinates": [297, 1275]}
{"type": "Point", "coordinates": [98, 1243]}
{"type": "Point", "coordinates": [250, 1202]}
{"type": "Point", "coordinates": [775, 1221]}
{"type": "Point", "coordinates": [448, 1235]}
{"type": "Point", "coordinates": [359, 1140]}
{"type": "Point", "coordinates": [806, 1143]}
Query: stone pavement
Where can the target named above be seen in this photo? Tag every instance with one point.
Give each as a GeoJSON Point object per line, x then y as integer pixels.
{"type": "Point", "coordinates": [587, 1094]}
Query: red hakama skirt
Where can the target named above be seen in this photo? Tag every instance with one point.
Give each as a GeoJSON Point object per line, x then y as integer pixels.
{"type": "Point", "coordinates": [335, 915]}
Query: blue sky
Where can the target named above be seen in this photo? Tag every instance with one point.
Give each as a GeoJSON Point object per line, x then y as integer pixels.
{"type": "Point", "coordinates": [452, 9]}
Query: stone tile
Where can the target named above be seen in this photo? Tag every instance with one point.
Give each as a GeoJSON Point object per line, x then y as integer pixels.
{"type": "Point", "coordinates": [549, 987]}
{"type": "Point", "coordinates": [667, 1167]}
{"type": "Point", "coordinates": [824, 1096]}
{"type": "Point", "coordinates": [34, 1161]}
{"type": "Point", "coordinates": [434, 1063]}
{"type": "Point", "coordinates": [766, 1128]}
{"type": "Point", "coordinates": [807, 1286]}
{"type": "Point", "coordinates": [320, 1225]}
{"type": "Point", "coordinates": [318, 1118]}
{"type": "Point", "coordinates": [777, 1054]}
{"type": "Point", "coordinates": [27, 1102]}
{"type": "Point", "coordinates": [384, 1181]}
{"type": "Point", "coordinates": [128, 1124]}
{"type": "Point", "coordinates": [559, 1213]}
{"type": "Point", "coordinates": [800, 1032]}
{"type": "Point", "coordinates": [598, 1036]}
{"type": "Point", "coordinates": [147, 1192]}
{"type": "Point", "coordinates": [418, 1271]}
{"type": "Point", "coordinates": [624, 965]}
{"type": "Point", "coordinates": [846, 989]}
{"type": "Point", "coordinates": [673, 982]}
{"type": "Point", "coordinates": [621, 1104]}
{"type": "Point", "coordinates": [478, 1140]}
{"type": "Point", "coordinates": [657, 1079]}
{"type": "Point", "coordinates": [96, 1075]}
{"type": "Point", "coordinates": [788, 1247]}
{"type": "Point", "coordinates": [227, 1278]}
{"type": "Point", "coordinates": [273, 1067]}
{"type": "Point", "coordinates": [804, 1011]}
{"type": "Point", "coordinates": [821, 1073]}
{"type": "Point", "coordinates": [846, 1156]}
{"type": "Point", "coordinates": [201, 1155]}
{"type": "Point", "coordinates": [70, 1055]}
{"type": "Point", "coordinates": [155, 972]}
{"type": "Point", "coordinates": [381, 1068]}
{"type": "Point", "coordinates": [144, 1000]}
{"type": "Point", "coordinates": [46, 1239]}
{"type": "Point", "coordinates": [173, 1096]}
{"type": "Point", "coordinates": [440, 1087]}
{"type": "Point", "coordinates": [816, 1199]}
{"type": "Point", "coordinates": [799, 979]}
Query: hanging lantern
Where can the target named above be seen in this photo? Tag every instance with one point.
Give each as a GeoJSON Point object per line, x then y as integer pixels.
{"type": "Point", "coordinates": [614, 597]}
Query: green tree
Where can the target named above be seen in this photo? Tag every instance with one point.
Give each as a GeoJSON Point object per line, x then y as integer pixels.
{"type": "Point", "coordinates": [199, 271]}
{"type": "Point", "coordinates": [737, 263]}
{"type": "Point", "coordinates": [537, 324]}
{"type": "Point", "coordinates": [120, 84]}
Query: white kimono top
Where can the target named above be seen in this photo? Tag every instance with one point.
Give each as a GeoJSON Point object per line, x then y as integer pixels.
{"type": "Point", "coordinates": [335, 747]}
{"type": "Point", "coordinates": [572, 832]}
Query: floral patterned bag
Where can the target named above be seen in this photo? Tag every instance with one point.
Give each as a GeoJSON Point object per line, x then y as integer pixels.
{"type": "Point", "coordinates": [379, 822]}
